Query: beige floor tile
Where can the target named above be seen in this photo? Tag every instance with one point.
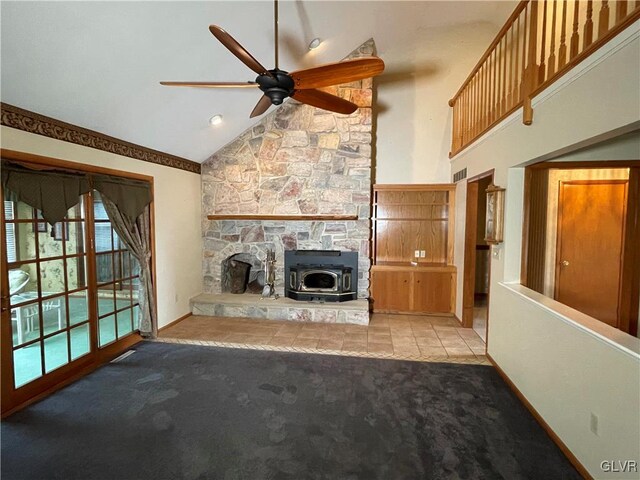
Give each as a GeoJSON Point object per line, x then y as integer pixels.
{"type": "Point", "coordinates": [331, 335]}
{"type": "Point", "coordinates": [475, 344]}
{"type": "Point", "coordinates": [445, 329]}
{"type": "Point", "coordinates": [355, 337]}
{"type": "Point", "coordinates": [376, 321]}
{"type": "Point", "coordinates": [428, 342]}
{"type": "Point", "coordinates": [355, 328]}
{"type": "Point", "coordinates": [403, 340]}
{"type": "Point", "coordinates": [336, 327]}
{"type": "Point", "coordinates": [469, 336]}
{"type": "Point", "coordinates": [412, 350]}
{"type": "Point", "coordinates": [328, 344]}
{"type": "Point", "coordinates": [444, 321]}
{"type": "Point", "coordinates": [378, 338]}
{"type": "Point", "coordinates": [354, 347]}
{"type": "Point", "coordinates": [429, 351]}
{"type": "Point", "coordinates": [310, 334]}
{"type": "Point", "coordinates": [286, 333]}
{"type": "Point", "coordinates": [455, 352]}
{"type": "Point", "coordinates": [214, 336]}
{"type": "Point", "coordinates": [237, 338]}
{"type": "Point", "coordinates": [380, 348]}
{"type": "Point", "coordinates": [394, 335]}
{"type": "Point", "coordinates": [257, 340]}
{"type": "Point", "coordinates": [379, 330]}
{"type": "Point", "coordinates": [454, 342]}
{"type": "Point", "coordinates": [314, 327]}
{"type": "Point", "coordinates": [426, 334]}
{"type": "Point", "coordinates": [305, 342]}
{"type": "Point", "coordinates": [281, 341]}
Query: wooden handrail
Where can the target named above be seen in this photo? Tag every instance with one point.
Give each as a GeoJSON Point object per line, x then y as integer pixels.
{"type": "Point", "coordinates": [528, 54]}
{"type": "Point", "coordinates": [516, 13]}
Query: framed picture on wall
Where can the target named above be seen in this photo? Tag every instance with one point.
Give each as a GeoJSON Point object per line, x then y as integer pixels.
{"type": "Point", "coordinates": [40, 225]}
{"type": "Point", "coordinates": [494, 227]}
{"type": "Point", "coordinates": [60, 229]}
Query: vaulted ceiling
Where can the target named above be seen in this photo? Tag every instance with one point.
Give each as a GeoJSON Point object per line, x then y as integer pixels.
{"type": "Point", "coordinates": [98, 64]}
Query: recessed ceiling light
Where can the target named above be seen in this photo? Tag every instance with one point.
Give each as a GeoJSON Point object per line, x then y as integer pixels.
{"type": "Point", "coordinates": [315, 43]}
{"type": "Point", "coordinates": [215, 120]}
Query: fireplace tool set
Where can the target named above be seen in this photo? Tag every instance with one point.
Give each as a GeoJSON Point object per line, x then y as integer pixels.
{"type": "Point", "coordinates": [269, 290]}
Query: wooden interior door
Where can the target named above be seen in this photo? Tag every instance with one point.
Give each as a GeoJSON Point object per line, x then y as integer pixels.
{"type": "Point", "coordinates": [589, 247]}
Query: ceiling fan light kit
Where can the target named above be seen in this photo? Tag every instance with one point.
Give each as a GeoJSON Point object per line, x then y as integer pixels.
{"type": "Point", "coordinates": [300, 85]}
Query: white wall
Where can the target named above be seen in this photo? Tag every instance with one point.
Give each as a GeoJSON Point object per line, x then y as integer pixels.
{"type": "Point", "coordinates": [565, 363]}
{"type": "Point", "coordinates": [177, 215]}
{"type": "Point", "coordinates": [413, 118]}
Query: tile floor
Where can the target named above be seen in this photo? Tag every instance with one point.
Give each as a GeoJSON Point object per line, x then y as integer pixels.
{"type": "Point", "coordinates": [424, 338]}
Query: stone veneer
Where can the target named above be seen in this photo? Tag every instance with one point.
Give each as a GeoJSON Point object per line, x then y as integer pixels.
{"type": "Point", "coordinates": [296, 160]}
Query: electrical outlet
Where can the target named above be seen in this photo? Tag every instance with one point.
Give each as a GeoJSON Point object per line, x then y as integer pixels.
{"type": "Point", "coordinates": [423, 253]}
{"type": "Point", "coordinates": [416, 254]}
{"type": "Point", "coordinates": [593, 423]}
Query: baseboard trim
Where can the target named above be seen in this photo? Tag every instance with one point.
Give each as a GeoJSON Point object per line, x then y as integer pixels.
{"type": "Point", "coordinates": [556, 439]}
{"type": "Point", "coordinates": [178, 320]}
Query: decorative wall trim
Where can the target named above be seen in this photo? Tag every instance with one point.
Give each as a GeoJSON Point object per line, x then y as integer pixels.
{"type": "Point", "coordinates": [32, 122]}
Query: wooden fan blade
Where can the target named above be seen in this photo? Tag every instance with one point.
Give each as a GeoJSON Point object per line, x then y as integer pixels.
{"type": "Point", "coordinates": [324, 100]}
{"type": "Point", "coordinates": [238, 50]}
{"type": "Point", "coordinates": [211, 84]}
{"type": "Point", "coordinates": [337, 73]}
{"type": "Point", "coordinates": [262, 106]}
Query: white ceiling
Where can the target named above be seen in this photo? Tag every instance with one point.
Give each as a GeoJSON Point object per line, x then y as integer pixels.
{"type": "Point", "coordinates": [98, 64]}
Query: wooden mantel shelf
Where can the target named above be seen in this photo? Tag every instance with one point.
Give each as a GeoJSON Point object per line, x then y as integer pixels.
{"type": "Point", "coordinates": [257, 216]}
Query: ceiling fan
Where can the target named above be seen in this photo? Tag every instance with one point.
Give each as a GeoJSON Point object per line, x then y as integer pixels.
{"type": "Point", "coordinates": [301, 85]}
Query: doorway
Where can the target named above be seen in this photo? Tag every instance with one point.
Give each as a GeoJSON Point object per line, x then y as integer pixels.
{"type": "Point", "coordinates": [477, 257]}
{"type": "Point", "coordinates": [582, 235]}
{"type": "Point", "coordinates": [69, 296]}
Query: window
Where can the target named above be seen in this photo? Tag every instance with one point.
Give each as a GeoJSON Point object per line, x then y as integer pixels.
{"type": "Point", "coordinates": [12, 253]}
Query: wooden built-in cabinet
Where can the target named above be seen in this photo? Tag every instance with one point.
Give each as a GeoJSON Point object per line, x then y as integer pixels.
{"type": "Point", "coordinates": [410, 219]}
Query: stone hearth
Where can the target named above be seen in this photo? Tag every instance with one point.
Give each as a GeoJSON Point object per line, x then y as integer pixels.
{"type": "Point", "coordinates": [252, 306]}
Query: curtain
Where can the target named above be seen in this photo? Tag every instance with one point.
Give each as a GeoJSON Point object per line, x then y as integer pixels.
{"type": "Point", "coordinates": [136, 235]}
{"type": "Point", "coordinates": [51, 192]}
{"type": "Point", "coordinates": [54, 192]}
{"type": "Point", "coordinates": [130, 196]}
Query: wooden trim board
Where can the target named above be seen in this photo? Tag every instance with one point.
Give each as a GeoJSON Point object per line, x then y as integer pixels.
{"type": "Point", "coordinates": [175, 322]}
{"type": "Point", "coordinates": [35, 123]}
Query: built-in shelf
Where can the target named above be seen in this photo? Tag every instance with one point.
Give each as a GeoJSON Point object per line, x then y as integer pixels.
{"type": "Point", "coordinates": [256, 216]}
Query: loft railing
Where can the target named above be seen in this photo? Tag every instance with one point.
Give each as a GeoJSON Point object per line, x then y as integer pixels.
{"type": "Point", "coordinates": [540, 42]}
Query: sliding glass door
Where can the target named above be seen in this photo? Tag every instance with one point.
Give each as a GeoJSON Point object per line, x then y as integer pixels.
{"type": "Point", "coordinates": [48, 294]}
{"type": "Point", "coordinates": [117, 277]}
{"type": "Point", "coordinates": [70, 291]}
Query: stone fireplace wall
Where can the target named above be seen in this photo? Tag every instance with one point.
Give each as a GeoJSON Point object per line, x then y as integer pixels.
{"type": "Point", "coordinates": [296, 160]}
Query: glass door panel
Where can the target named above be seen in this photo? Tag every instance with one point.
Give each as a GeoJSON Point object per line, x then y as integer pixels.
{"type": "Point", "coordinates": [69, 296]}
{"type": "Point", "coordinates": [48, 290]}
{"type": "Point", "coordinates": [118, 277]}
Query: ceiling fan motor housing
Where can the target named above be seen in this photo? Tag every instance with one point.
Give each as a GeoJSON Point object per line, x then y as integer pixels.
{"type": "Point", "coordinates": [278, 87]}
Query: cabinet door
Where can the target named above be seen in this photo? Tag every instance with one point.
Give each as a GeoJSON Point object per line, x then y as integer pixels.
{"type": "Point", "coordinates": [432, 292]}
{"type": "Point", "coordinates": [391, 291]}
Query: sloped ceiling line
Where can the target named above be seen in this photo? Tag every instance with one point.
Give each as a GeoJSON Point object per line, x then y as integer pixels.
{"type": "Point", "coordinates": [25, 120]}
